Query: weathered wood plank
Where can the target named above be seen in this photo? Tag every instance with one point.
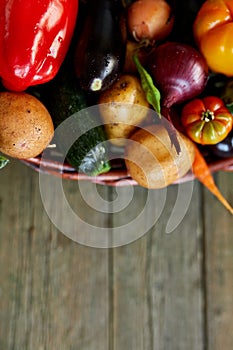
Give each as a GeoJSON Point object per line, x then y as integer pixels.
{"type": "Point", "coordinates": [219, 266]}
{"type": "Point", "coordinates": [157, 280]}
{"type": "Point", "coordinates": [54, 292]}
{"type": "Point", "coordinates": [149, 294]}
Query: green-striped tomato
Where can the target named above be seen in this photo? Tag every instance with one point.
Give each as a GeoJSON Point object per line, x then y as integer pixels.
{"type": "Point", "coordinates": [206, 121]}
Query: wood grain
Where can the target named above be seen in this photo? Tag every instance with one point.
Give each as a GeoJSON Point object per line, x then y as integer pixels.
{"type": "Point", "coordinates": [166, 283]}
{"type": "Point", "coordinates": [54, 292]}
{"type": "Point", "coordinates": [219, 266]}
{"type": "Point", "coordinates": [158, 280]}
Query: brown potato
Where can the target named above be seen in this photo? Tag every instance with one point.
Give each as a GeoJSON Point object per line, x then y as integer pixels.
{"type": "Point", "coordinates": [122, 107]}
{"type": "Point", "coordinates": [152, 161]}
{"type": "Point", "coordinates": [134, 48]}
{"type": "Point", "coordinates": [26, 127]}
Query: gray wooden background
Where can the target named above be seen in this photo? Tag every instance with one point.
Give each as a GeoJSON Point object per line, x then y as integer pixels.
{"type": "Point", "coordinates": [163, 291]}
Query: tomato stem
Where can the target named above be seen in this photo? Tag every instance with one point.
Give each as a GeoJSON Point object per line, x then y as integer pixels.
{"type": "Point", "coordinates": [207, 116]}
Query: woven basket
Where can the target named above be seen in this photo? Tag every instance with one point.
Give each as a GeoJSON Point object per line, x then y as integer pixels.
{"type": "Point", "coordinates": [117, 176]}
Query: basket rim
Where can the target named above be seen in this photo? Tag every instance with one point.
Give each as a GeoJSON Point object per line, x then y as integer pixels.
{"type": "Point", "coordinates": [114, 177]}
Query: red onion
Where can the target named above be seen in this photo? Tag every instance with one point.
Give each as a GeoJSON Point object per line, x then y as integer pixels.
{"type": "Point", "coordinates": [179, 70]}
{"type": "Point", "coordinates": [180, 73]}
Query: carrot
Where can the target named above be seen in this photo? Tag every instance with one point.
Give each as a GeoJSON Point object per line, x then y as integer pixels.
{"type": "Point", "coordinates": [202, 173]}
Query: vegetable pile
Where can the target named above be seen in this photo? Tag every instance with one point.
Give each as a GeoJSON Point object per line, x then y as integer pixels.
{"type": "Point", "coordinates": [161, 76]}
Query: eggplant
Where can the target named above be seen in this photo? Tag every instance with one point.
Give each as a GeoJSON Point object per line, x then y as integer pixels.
{"type": "Point", "coordinates": [101, 46]}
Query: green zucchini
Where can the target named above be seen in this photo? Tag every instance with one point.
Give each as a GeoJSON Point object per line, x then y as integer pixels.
{"type": "Point", "coordinates": [88, 154]}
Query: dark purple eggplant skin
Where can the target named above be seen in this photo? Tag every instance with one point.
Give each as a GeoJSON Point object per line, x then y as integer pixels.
{"type": "Point", "coordinates": [101, 46]}
{"type": "Point", "coordinates": [223, 149]}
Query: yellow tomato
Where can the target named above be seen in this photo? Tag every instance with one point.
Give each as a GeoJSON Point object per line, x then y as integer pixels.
{"type": "Point", "coordinates": [213, 32]}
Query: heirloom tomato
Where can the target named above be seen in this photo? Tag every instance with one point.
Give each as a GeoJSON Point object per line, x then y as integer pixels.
{"type": "Point", "coordinates": [206, 121]}
{"type": "Point", "coordinates": [213, 32]}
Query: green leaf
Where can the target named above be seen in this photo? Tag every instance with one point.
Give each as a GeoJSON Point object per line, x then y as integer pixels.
{"type": "Point", "coordinates": [152, 93]}
{"type": "Point", "coordinates": [3, 161]}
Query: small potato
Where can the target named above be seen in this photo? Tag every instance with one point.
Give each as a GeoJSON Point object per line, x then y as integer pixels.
{"type": "Point", "coordinates": [134, 48]}
{"type": "Point", "coordinates": [26, 127]}
{"type": "Point", "coordinates": [152, 161]}
{"type": "Point", "coordinates": [122, 107]}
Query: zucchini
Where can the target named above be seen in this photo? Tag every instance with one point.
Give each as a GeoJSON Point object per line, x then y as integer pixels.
{"type": "Point", "coordinates": [3, 161]}
{"type": "Point", "coordinates": [100, 51]}
{"type": "Point", "coordinates": [88, 154]}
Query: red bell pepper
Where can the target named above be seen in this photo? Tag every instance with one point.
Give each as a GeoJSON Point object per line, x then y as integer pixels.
{"type": "Point", "coordinates": [34, 40]}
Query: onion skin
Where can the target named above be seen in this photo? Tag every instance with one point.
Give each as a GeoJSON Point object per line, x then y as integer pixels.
{"type": "Point", "coordinates": [150, 20]}
{"type": "Point", "coordinates": [180, 73]}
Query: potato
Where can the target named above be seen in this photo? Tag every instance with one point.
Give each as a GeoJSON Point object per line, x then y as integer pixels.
{"type": "Point", "coordinates": [26, 127]}
{"type": "Point", "coordinates": [152, 161]}
{"type": "Point", "coordinates": [122, 107]}
{"type": "Point", "coordinates": [134, 48]}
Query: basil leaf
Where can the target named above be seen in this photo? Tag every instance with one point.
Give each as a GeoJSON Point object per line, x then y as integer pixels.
{"type": "Point", "coordinates": [152, 93]}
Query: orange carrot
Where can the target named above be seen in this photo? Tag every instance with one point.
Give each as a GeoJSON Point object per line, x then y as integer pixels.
{"type": "Point", "coordinates": [203, 174]}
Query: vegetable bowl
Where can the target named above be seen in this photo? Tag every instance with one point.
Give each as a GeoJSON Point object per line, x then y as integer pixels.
{"type": "Point", "coordinates": [118, 175]}
{"type": "Point", "coordinates": [148, 53]}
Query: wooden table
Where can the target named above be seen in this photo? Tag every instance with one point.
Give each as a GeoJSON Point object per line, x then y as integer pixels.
{"type": "Point", "coordinates": [162, 291]}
